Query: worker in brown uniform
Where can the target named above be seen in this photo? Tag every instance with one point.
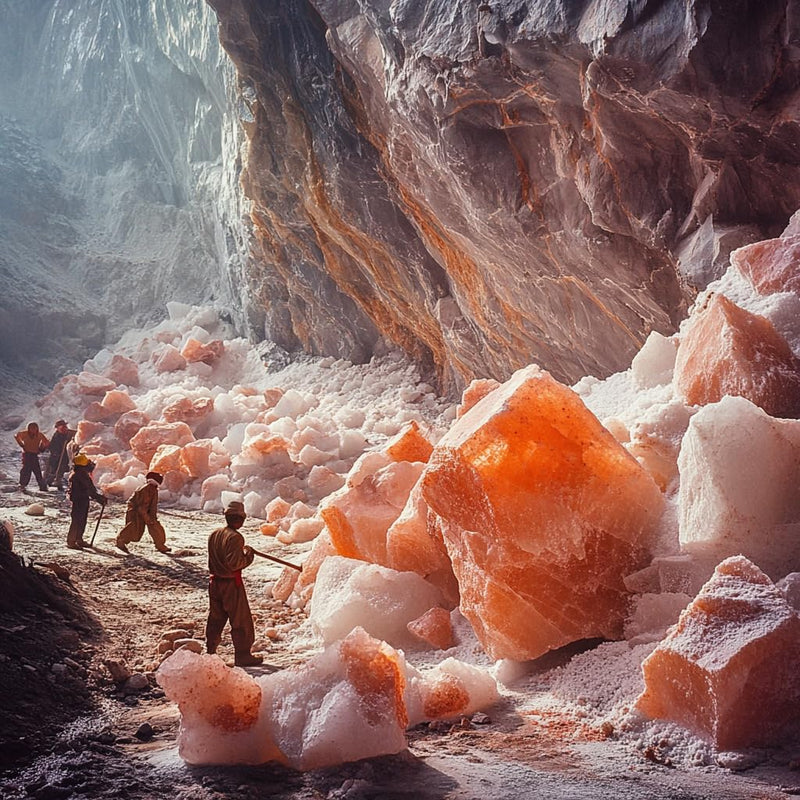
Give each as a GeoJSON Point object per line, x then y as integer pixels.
{"type": "Point", "coordinates": [81, 490]}
{"type": "Point", "coordinates": [32, 441]}
{"type": "Point", "coordinates": [58, 462]}
{"type": "Point", "coordinates": [228, 555]}
{"type": "Point", "coordinates": [142, 513]}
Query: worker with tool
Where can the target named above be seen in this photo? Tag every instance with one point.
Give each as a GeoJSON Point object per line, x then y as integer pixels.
{"type": "Point", "coordinates": [142, 512]}
{"type": "Point", "coordinates": [58, 461]}
{"type": "Point", "coordinates": [81, 490]}
{"type": "Point", "coordinates": [228, 555]}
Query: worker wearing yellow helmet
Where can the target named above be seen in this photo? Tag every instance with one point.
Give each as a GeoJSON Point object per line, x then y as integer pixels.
{"type": "Point", "coordinates": [81, 490]}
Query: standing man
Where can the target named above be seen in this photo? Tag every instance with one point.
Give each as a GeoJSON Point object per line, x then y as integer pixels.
{"type": "Point", "coordinates": [59, 459]}
{"type": "Point", "coordinates": [32, 441]}
{"type": "Point", "coordinates": [81, 490]}
{"type": "Point", "coordinates": [142, 512]}
{"type": "Point", "coordinates": [228, 555]}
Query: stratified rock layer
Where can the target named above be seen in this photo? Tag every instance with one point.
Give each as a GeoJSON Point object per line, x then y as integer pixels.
{"type": "Point", "coordinates": [729, 351]}
{"type": "Point", "coordinates": [543, 512]}
{"type": "Point", "coordinates": [489, 185]}
{"type": "Point", "coordinates": [728, 669]}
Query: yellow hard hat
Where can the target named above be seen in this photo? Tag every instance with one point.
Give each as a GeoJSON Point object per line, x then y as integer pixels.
{"type": "Point", "coordinates": [80, 460]}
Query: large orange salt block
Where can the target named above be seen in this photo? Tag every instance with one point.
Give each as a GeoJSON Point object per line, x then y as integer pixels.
{"type": "Point", "coordinates": [187, 410]}
{"type": "Point", "coordinates": [729, 351]}
{"type": "Point", "coordinates": [194, 350]}
{"type": "Point", "coordinates": [87, 430]}
{"type": "Point", "coordinates": [129, 424]}
{"type": "Point", "coordinates": [148, 439]}
{"type": "Point", "coordinates": [434, 628]}
{"type": "Point", "coordinates": [194, 458]}
{"type": "Point", "coordinates": [166, 457]}
{"type": "Point", "coordinates": [410, 444]}
{"type": "Point", "coordinates": [358, 517]}
{"type": "Point", "coordinates": [122, 370]}
{"type": "Point", "coordinates": [728, 669]}
{"type": "Point", "coordinates": [543, 513]}
{"type": "Point", "coordinates": [771, 266]}
{"type": "Point", "coordinates": [320, 550]}
{"type": "Point", "coordinates": [117, 402]}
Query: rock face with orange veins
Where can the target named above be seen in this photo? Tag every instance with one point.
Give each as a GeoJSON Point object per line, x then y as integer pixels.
{"type": "Point", "coordinates": [543, 513]}
{"type": "Point", "coordinates": [410, 444]}
{"type": "Point", "coordinates": [358, 517]}
{"type": "Point", "coordinates": [772, 265]}
{"type": "Point", "coordinates": [729, 351]}
{"type": "Point", "coordinates": [148, 439]}
{"type": "Point", "coordinates": [728, 669]}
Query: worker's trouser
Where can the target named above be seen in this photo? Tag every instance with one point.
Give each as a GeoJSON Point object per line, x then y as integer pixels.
{"type": "Point", "coordinates": [227, 600]}
{"type": "Point", "coordinates": [79, 514]}
{"type": "Point", "coordinates": [54, 471]}
{"type": "Point", "coordinates": [30, 464]}
{"type": "Point", "coordinates": [134, 528]}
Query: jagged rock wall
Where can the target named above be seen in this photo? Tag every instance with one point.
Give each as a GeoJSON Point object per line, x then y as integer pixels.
{"type": "Point", "coordinates": [489, 184]}
{"type": "Point", "coordinates": [118, 183]}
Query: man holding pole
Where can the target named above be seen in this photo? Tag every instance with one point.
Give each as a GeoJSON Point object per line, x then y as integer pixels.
{"type": "Point", "coordinates": [81, 491]}
{"type": "Point", "coordinates": [228, 555]}
{"type": "Point", "coordinates": [58, 462]}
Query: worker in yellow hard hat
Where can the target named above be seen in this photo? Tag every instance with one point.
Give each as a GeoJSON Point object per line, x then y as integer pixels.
{"type": "Point", "coordinates": [81, 490]}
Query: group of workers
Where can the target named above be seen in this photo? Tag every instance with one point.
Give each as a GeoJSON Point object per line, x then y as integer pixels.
{"type": "Point", "coordinates": [228, 554]}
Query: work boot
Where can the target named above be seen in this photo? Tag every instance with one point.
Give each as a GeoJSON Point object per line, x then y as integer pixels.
{"type": "Point", "coordinates": [164, 549]}
{"type": "Point", "coordinates": [121, 546]}
{"type": "Point", "coordinates": [76, 545]}
{"type": "Point", "coordinates": [248, 660]}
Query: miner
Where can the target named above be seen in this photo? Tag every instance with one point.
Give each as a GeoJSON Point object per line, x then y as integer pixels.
{"type": "Point", "coordinates": [81, 490]}
{"type": "Point", "coordinates": [32, 441]}
{"type": "Point", "coordinates": [58, 462]}
{"type": "Point", "coordinates": [142, 512]}
{"type": "Point", "coordinates": [228, 555]}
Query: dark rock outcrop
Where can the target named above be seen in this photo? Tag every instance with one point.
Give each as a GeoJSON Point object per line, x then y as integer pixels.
{"type": "Point", "coordinates": [490, 184]}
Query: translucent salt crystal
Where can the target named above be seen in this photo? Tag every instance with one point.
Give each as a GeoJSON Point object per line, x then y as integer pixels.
{"type": "Point", "coordinates": [187, 410]}
{"type": "Point", "coordinates": [728, 669]}
{"type": "Point", "coordinates": [772, 265]}
{"type": "Point", "coordinates": [209, 353]}
{"type": "Point", "coordinates": [148, 439]}
{"type": "Point", "coordinates": [476, 391]}
{"type": "Point", "coordinates": [167, 358]}
{"type": "Point", "coordinates": [129, 424]}
{"type": "Point", "coordinates": [542, 512]}
{"type": "Point", "coordinates": [122, 370]}
{"type": "Point", "coordinates": [654, 364]}
{"type": "Point", "coordinates": [304, 530]}
{"type": "Point", "coordinates": [729, 351]}
{"type": "Point", "coordinates": [91, 384]}
{"type": "Point", "coordinates": [434, 628]}
{"type": "Point", "coordinates": [167, 457]}
{"type": "Point", "coordinates": [117, 402]}
{"type": "Point", "coordinates": [195, 458]}
{"type": "Point", "coordinates": [410, 444]}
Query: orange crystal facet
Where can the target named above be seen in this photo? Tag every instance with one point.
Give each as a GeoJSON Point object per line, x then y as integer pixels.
{"type": "Point", "coordinates": [729, 351]}
{"type": "Point", "coordinates": [147, 440]}
{"type": "Point", "coordinates": [772, 265]}
{"type": "Point", "coordinates": [543, 513]}
{"type": "Point", "coordinates": [409, 445]}
{"type": "Point", "coordinates": [728, 669]}
{"type": "Point", "coordinates": [434, 628]}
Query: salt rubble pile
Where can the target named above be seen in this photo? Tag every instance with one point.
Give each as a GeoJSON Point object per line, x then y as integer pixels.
{"type": "Point", "coordinates": [543, 514]}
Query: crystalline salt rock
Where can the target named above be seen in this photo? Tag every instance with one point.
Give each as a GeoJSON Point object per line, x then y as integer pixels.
{"type": "Point", "coordinates": [771, 266]}
{"type": "Point", "coordinates": [311, 456]}
{"type": "Point", "coordinates": [475, 392]}
{"type": "Point", "coordinates": [352, 443]}
{"type": "Point", "coordinates": [221, 720]}
{"type": "Point", "coordinates": [194, 458]}
{"type": "Point", "coordinates": [166, 457]}
{"type": "Point", "coordinates": [276, 509]}
{"type": "Point", "coordinates": [147, 440]}
{"type": "Point", "coordinates": [729, 351]}
{"type": "Point", "coordinates": [209, 353]}
{"type": "Point", "coordinates": [728, 669]}
{"type": "Point", "coordinates": [542, 512]}
{"type": "Point", "coordinates": [653, 614]}
{"type": "Point", "coordinates": [350, 593]}
{"type": "Point", "coordinates": [174, 480]}
{"type": "Point", "coordinates": [129, 424]}
{"type": "Point", "coordinates": [122, 370]}
{"type": "Point", "coordinates": [451, 689]}
{"type": "Point", "coordinates": [320, 551]}
{"type": "Point", "coordinates": [366, 466]}
{"type": "Point", "coordinates": [434, 628]}
{"type": "Point", "coordinates": [271, 396]}
{"type": "Point", "coordinates": [343, 705]}
{"type": "Point", "coordinates": [87, 430]}
{"type": "Point", "coordinates": [409, 445]}
{"type": "Point", "coordinates": [269, 528]}
{"type": "Point", "coordinates": [95, 412]}
{"type": "Point", "coordinates": [654, 364]}
{"type": "Point", "coordinates": [739, 474]}
{"type": "Point", "coordinates": [117, 402]}
{"type": "Point", "coordinates": [168, 359]}
{"type": "Point", "coordinates": [304, 530]}
{"type": "Point", "coordinates": [358, 517]}
{"type": "Point", "coordinates": [294, 404]}
{"type": "Point", "coordinates": [323, 481]}
{"type": "Point", "coordinates": [414, 544]}
{"type": "Point", "coordinates": [212, 488]}
{"type": "Point", "coordinates": [188, 410]}
{"type": "Point", "coordinates": [285, 584]}
{"type": "Point", "coordinates": [91, 384]}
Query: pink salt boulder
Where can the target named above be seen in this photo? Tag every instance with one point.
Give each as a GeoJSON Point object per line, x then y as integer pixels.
{"type": "Point", "coordinates": [95, 412]}
{"type": "Point", "coordinates": [187, 410]}
{"type": "Point", "coordinates": [166, 457]}
{"type": "Point", "coordinates": [122, 370]}
{"type": "Point", "coordinates": [91, 384]}
{"type": "Point", "coordinates": [543, 513]}
{"type": "Point", "coordinates": [168, 359]}
{"type": "Point", "coordinates": [117, 402]}
{"type": "Point", "coordinates": [195, 350]}
{"type": "Point", "coordinates": [358, 517]}
{"type": "Point", "coordinates": [728, 669]}
{"type": "Point", "coordinates": [194, 458]}
{"type": "Point", "coordinates": [272, 396]}
{"type": "Point", "coordinates": [771, 266]}
{"type": "Point", "coordinates": [87, 429]}
{"type": "Point", "coordinates": [129, 424]}
{"type": "Point", "coordinates": [409, 445]}
{"type": "Point", "coordinates": [434, 628]}
{"type": "Point", "coordinates": [148, 439]}
{"type": "Point", "coordinates": [729, 351]}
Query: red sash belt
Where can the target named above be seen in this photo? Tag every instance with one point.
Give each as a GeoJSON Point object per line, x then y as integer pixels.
{"type": "Point", "coordinates": [237, 576]}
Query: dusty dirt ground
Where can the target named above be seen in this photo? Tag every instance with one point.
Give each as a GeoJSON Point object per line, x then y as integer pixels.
{"type": "Point", "coordinates": [66, 729]}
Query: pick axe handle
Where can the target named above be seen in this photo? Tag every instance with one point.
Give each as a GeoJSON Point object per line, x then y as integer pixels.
{"type": "Point", "coordinates": [102, 509]}
{"type": "Point", "coordinates": [277, 560]}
